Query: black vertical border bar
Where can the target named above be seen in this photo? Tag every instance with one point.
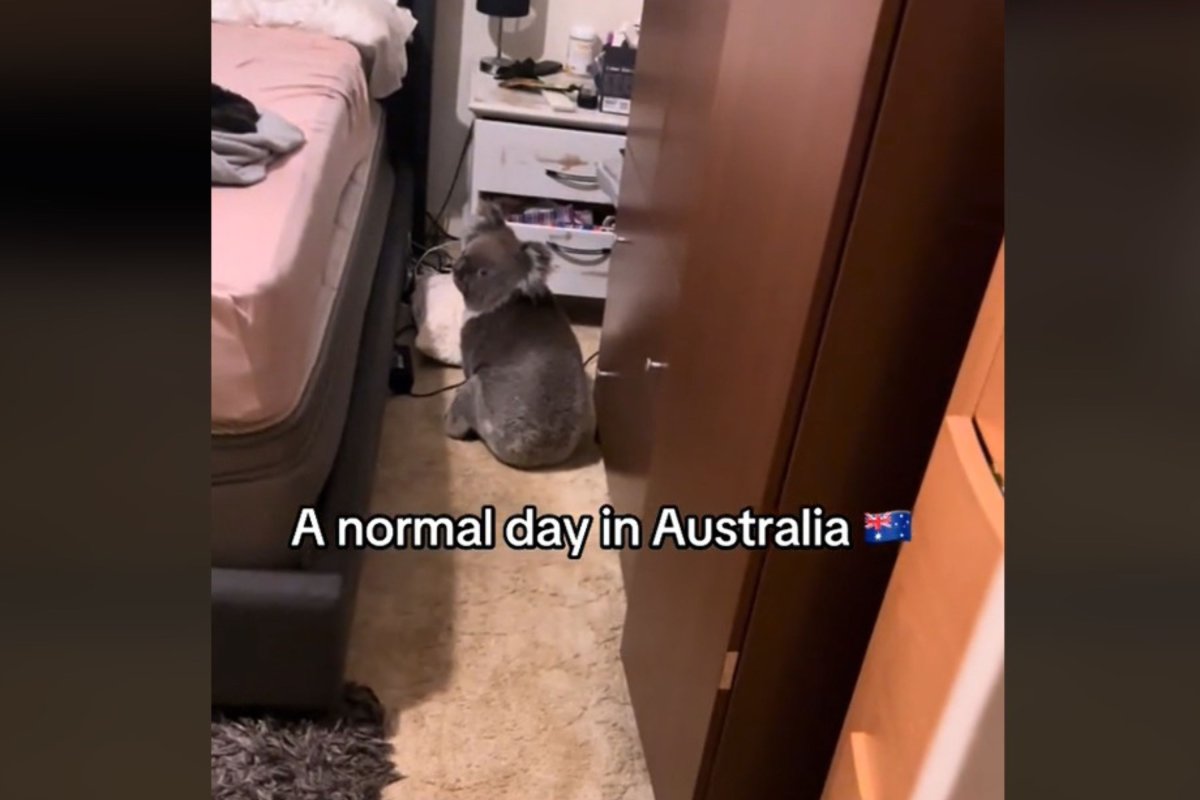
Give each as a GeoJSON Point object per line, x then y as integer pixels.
{"type": "Point", "coordinates": [104, 369]}
{"type": "Point", "coordinates": [1103, 280]}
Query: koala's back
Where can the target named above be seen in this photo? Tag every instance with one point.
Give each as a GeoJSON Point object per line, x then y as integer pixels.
{"type": "Point", "coordinates": [527, 332]}
{"type": "Point", "coordinates": [534, 393]}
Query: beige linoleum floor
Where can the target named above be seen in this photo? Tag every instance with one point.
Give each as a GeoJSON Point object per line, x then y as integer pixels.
{"type": "Point", "coordinates": [502, 667]}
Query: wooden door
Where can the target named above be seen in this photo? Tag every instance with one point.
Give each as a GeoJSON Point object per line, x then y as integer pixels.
{"type": "Point", "coordinates": [659, 183]}
{"type": "Point", "coordinates": [937, 650]}
{"type": "Point", "coordinates": [780, 149]}
{"type": "Point", "coordinates": [634, 304]}
{"type": "Point", "coordinates": [922, 242]}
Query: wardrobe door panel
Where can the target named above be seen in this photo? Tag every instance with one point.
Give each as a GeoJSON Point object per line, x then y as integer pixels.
{"type": "Point", "coordinates": [754, 178]}
{"type": "Point", "coordinates": [623, 388]}
{"type": "Point", "coordinates": [623, 402]}
{"type": "Point", "coordinates": [929, 613]}
{"type": "Point", "coordinates": [635, 306]}
{"type": "Point", "coordinates": [662, 167]}
{"type": "Point", "coordinates": [926, 222]}
{"type": "Point", "coordinates": [682, 608]}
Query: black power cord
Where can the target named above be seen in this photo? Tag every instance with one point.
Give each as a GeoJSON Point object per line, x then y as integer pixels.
{"type": "Point", "coordinates": [439, 391]}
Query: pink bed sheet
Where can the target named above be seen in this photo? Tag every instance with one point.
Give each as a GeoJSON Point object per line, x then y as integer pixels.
{"type": "Point", "coordinates": [279, 247]}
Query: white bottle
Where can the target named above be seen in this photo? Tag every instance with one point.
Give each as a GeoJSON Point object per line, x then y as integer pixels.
{"type": "Point", "coordinates": [580, 49]}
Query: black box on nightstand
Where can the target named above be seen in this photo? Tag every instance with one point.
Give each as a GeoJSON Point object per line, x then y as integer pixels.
{"type": "Point", "coordinates": [614, 82]}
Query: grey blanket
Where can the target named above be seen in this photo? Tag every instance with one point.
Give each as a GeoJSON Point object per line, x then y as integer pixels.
{"type": "Point", "coordinates": [241, 159]}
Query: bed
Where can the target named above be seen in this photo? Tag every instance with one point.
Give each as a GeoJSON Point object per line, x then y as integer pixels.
{"type": "Point", "coordinates": [306, 275]}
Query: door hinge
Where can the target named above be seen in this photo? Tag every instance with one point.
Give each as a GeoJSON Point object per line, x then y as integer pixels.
{"type": "Point", "coordinates": [731, 660]}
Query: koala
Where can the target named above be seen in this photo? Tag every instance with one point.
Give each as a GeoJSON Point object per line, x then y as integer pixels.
{"type": "Point", "coordinates": [526, 394]}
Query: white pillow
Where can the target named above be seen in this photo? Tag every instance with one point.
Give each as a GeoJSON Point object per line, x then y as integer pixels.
{"type": "Point", "coordinates": [380, 29]}
{"type": "Point", "coordinates": [438, 310]}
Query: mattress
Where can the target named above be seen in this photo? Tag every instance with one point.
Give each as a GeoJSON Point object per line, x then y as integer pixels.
{"type": "Point", "coordinates": [280, 247]}
{"type": "Point", "coordinates": [261, 479]}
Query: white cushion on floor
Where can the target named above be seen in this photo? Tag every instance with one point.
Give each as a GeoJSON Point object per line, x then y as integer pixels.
{"type": "Point", "coordinates": [438, 309]}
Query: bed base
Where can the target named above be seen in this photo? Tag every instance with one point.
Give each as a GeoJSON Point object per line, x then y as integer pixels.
{"type": "Point", "coordinates": [279, 636]}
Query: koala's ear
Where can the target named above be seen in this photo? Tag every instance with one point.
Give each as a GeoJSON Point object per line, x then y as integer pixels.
{"type": "Point", "coordinates": [540, 261]}
{"type": "Point", "coordinates": [490, 218]}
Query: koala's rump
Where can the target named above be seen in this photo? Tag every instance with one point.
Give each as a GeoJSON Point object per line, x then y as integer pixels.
{"type": "Point", "coordinates": [531, 416]}
{"type": "Point", "coordinates": [533, 390]}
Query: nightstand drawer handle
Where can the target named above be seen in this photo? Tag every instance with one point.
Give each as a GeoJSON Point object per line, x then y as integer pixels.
{"type": "Point", "coordinates": [591, 180]}
{"type": "Point", "coordinates": [600, 252]}
{"type": "Point", "coordinates": [580, 256]}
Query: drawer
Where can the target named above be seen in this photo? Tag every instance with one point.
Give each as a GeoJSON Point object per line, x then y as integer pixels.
{"type": "Point", "coordinates": [580, 258]}
{"type": "Point", "coordinates": [929, 614]}
{"type": "Point", "coordinates": [537, 161]}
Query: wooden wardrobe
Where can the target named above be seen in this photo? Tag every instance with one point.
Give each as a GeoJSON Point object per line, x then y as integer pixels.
{"type": "Point", "coordinates": [810, 207]}
{"type": "Point", "coordinates": [927, 718]}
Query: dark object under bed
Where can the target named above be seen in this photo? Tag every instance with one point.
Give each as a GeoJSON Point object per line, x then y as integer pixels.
{"type": "Point", "coordinates": [281, 620]}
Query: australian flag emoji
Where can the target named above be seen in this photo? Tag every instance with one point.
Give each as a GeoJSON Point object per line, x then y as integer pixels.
{"type": "Point", "coordinates": [890, 526]}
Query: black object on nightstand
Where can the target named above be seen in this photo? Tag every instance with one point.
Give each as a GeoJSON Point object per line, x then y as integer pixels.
{"type": "Point", "coordinates": [527, 68]}
{"type": "Point", "coordinates": [615, 80]}
{"type": "Point", "coordinates": [504, 9]}
{"type": "Point", "coordinates": [588, 99]}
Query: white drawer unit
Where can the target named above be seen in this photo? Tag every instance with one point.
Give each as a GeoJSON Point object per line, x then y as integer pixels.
{"type": "Point", "coordinates": [539, 161]}
{"type": "Point", "coordinates": [534, 157]}
{"type": "Point", "coordinates": [580, 258]}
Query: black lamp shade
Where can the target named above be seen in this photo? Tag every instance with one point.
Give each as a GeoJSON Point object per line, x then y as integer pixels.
{"type": "Point", "coordinates": [503, 8]}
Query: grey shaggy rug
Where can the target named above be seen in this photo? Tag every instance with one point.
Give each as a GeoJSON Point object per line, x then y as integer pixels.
{"type": "Point", "coordinates": [345, 756]}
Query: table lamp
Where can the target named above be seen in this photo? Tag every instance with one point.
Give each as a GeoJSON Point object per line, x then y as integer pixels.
{"type": "Point", "coordinates": [504, 9]}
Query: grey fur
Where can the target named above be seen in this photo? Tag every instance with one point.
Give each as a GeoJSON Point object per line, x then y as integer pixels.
{"type": "Point", "coordinates": [345, 757]}
{"type": "Point", "coordinates": [526, 395]}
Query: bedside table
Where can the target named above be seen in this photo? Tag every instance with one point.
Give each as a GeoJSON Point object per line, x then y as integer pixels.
{"type": "Point", "coordinates": [529, 157]}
